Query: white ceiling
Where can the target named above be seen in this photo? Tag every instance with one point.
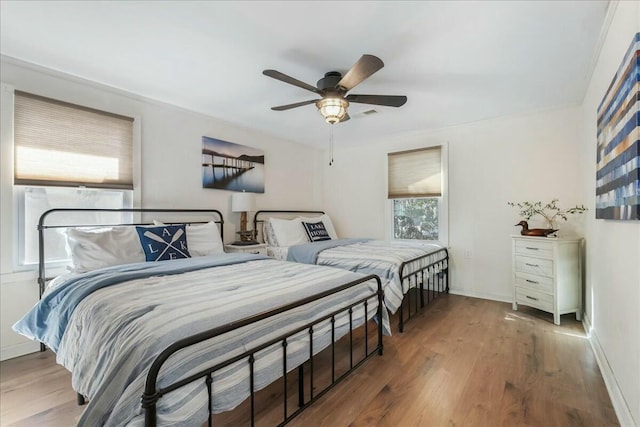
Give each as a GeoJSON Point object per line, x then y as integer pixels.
{"type": "Point", "coordinates": [456, 61]}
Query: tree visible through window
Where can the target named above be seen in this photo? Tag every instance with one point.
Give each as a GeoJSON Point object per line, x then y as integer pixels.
{"type": "Point", "coordinates": [415, 192]}
{"type": "Point", "coordinates": [416, 218]}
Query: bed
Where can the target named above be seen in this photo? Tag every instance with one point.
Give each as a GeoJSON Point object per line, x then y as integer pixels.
{"type": "Point", "coordinates": [174, 342]}
{"type": "Point", "coordinates": [412, 275]}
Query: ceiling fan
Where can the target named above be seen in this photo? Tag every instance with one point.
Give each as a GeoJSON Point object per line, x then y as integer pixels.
{"type": "Point", "coordinates": [333, 88]}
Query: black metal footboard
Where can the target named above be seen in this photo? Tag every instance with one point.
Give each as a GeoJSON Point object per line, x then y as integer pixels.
{"type": "Point", "coordinates": [153, 392]}
{"type": "Point", "coordinates": [307, 391]}
{"type": "Point", "coordinates": [436, 282]}
{"type": "Point", "coordinates": [435, 275]}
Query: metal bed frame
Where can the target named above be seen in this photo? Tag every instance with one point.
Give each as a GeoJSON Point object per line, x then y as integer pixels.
{"type": "Point", "coordinates": [437, 283]}
{"type": "Point", "coordinates": [153, 393]}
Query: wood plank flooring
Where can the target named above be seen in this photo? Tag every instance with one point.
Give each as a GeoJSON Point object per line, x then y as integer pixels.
{"type": "Point", "coordinates": [461, 362]}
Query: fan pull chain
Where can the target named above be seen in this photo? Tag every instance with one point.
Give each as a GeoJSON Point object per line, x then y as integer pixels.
{"type": "Point", "coordinates": [331, 146]}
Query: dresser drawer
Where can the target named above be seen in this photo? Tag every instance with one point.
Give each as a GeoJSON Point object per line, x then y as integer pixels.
{"type": "Point", "coordinates": [534, 248]}
{"type": "Point", "coordinates": [537, 266]}
{"type": "Point", "coordinates": [534, 299]}
{"type": "Point", "coordinates": [540, 283]}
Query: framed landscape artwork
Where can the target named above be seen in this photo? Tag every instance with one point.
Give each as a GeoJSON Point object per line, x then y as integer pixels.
{"type": "Point", "coordinates": [229, 166]}
{"type": "Point", "coordinates": [618, 151]}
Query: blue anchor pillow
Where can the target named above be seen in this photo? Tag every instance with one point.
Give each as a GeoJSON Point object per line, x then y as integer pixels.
{"type": "Point", "coordinates": [164, 243]}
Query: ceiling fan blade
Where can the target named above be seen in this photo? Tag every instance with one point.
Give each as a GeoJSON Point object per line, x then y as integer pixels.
{"type": "Point", "coordinates": [366, 66]}
{"type": "Point", "coordinates": [288, 79]}
{"type": "Point", "coordinates": [345, 118]}
{"type": "Point", "coordinates": [297, 104]}
{"type": "Point", "coordinates": [387, 100]}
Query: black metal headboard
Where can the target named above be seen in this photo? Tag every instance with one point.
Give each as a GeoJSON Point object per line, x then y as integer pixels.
{"type": "Point", "coordinates": [42, 226]}
{"type": "Point", "coordinates": [269, 213]}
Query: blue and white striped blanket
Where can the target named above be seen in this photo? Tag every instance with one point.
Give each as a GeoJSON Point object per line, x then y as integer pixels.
{"type": "Point", "coordinates": [47, 321]}
{"type": "Point", "coordinates": [114, 332]}
{"type": "Point", "coordinates": [378, 257]}
{"type": "Point", "coordinates": [308, 253]}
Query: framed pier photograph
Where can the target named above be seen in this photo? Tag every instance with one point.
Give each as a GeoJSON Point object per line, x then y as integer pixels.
{"type": "Point", "coordinates": [229, 166]}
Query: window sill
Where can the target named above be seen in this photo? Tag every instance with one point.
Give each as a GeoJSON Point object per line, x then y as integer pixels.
{"type": "Point", "coordinates": [30, 272]}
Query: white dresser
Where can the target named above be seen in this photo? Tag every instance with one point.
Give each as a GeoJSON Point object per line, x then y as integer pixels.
{"type": "Point", "coordinates": [547, 274]}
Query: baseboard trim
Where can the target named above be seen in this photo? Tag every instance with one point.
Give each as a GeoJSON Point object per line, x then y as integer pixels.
{"type": "Point", "coordinates": [482, 295]}
{"type": "Point", "coordinates": [625, 418]}
{"type": "Point", "coordinates": [16, 350]}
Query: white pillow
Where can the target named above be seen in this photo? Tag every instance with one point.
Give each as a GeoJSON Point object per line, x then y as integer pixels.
{"type": "Point", "coordinates": [95, 248]}
{"type": "Point", "coordinates": [268, 235]}
{"type": "Point", "coordinates": [328, 225]}
{"type": "Point", "coordinates": [288, 232]}
{"type": "Point", "coordinates": [202, 239]}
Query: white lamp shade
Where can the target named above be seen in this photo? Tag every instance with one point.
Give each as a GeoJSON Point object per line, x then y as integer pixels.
{"type": "Point", "coordinates": [243, 202]}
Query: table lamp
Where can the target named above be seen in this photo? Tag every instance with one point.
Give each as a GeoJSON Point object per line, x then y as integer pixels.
{"type": "Point", "coordinates": [244, 202]}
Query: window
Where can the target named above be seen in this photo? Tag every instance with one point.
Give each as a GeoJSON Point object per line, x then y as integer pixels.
{"type": "Point", "coordinates": [416, 194]}
{"type": "Point", "coordinates": [61, 144]}
{"type": "Point", "coordinates": [34, 201]}
{"type": "Point", "coordinates": [416, 218]}
{"type": "Point", "coordinates": [67, 155]}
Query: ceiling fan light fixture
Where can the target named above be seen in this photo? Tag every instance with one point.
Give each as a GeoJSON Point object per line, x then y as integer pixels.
{"type": "Point", "coordinates": [333, 88]}
{"type": "Point", "coordinates": [333, 109]}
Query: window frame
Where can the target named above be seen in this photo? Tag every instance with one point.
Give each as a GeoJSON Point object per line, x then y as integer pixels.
{"type": "Point", "coordinates": [19, 192]}
{"type": "Point", "coordinates": [16, 224]}
{"type": "Point", "coordinates": [443, 204]}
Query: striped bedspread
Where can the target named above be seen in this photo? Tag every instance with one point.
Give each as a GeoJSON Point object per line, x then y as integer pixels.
{"type": "Point", "coordinates": [384, 259]}
{"type": "Point", "coordinates": [115, 332]}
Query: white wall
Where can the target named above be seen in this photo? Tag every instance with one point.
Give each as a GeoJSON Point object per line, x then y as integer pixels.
{"type": "Point", "coordinates": [534, 157]}
{"type": "Point", "coordinates": [171, 172]}
{"type": "Point", "coordinates": [613, 247]}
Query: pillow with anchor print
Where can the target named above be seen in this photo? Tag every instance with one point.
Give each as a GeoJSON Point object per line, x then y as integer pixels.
{"type": "Point", "coordinates": [164, 243]}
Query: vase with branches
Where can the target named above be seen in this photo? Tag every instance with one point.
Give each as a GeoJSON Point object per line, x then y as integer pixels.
{"type": "Point", "coordinates": [550, 211]}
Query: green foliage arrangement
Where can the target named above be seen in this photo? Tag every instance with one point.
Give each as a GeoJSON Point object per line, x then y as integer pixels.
{"type": "Point", "coordinates": [550, 212]}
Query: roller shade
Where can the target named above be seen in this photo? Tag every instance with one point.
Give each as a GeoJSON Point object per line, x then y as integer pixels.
{"type": "Point", "coordinates": [61, 144]}
{"type": "Point", "coordinates": [415, 173]}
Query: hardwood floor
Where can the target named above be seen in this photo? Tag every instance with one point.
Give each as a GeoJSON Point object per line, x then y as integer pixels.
{"type": "Point", "coordinates": [461, 362]}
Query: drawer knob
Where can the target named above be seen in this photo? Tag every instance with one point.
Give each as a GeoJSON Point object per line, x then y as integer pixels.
{"type": "Point", "coordinates": [532, 249]}
{"type": "Point", "coordinates": [531, 265]}
{"type": "Point", "coordinates": [531, 281]}
{"type": "Point", "coordinates": [535, 299]}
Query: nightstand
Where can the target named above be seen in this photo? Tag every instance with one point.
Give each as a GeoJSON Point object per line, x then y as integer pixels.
{"type": "Point", "coordinates": [260, 249]}
{"type": "Point", "coordinates": [547, 274]}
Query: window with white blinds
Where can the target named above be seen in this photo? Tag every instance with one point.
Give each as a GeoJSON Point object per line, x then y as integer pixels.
{"type": "Point", "coordinates": [66, 145]}
{"type": "Point", "coordinates": [415, 173]}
